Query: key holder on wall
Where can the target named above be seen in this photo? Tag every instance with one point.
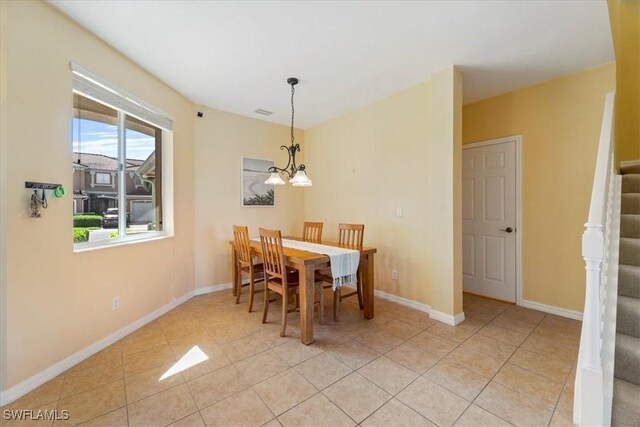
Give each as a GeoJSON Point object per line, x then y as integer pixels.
{"type": "Point", "coordinates": [41, 201]}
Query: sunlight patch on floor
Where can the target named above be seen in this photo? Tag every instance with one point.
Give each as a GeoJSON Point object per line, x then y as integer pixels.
{"type": "Point", "coordinates": [189, 360]}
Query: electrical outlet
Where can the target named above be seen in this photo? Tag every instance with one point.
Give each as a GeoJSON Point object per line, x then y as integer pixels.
{"type": "Point", "coordinates": [115, 304]}
{"type": "Point", "coordinates": [394, 274]}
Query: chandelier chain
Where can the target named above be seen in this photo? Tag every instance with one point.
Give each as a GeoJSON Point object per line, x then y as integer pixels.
{"type": "Point", "coordinates": [293, 91]}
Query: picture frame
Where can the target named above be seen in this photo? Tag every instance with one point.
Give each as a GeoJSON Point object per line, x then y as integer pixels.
{"type": "Point", "coordinates": [255, 193]}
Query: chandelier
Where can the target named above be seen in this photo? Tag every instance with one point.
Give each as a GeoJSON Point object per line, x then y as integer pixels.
{"type": "Point", "coordinates": [296, 174]}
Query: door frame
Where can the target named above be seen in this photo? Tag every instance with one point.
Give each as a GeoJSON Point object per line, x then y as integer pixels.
{"type": "Point", "coordinates": [517, 139]}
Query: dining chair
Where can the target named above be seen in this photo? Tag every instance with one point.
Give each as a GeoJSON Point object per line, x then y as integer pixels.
{"type": "Point", "coordinates": [246, 265]}
{"type": "Point", "coordinates": [279, 279]}
{"type": "Point", "coordinates": [352, 236]}
{"type": "Point", "coordinates": [312, 232]}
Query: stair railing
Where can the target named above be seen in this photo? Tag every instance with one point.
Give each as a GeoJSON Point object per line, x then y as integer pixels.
{"type": "Point", "coordinates": [594, 372]}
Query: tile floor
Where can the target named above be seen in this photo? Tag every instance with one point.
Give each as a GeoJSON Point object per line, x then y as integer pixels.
{"type": "Point", "coordinates": [504, 365]}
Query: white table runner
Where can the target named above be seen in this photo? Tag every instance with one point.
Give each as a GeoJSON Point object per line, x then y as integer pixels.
{"type": "Point", "coordinates": [344, 262]}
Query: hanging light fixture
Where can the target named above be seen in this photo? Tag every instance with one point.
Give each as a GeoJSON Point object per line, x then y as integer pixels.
{"type": "Point", "coordinates": [296, 174]}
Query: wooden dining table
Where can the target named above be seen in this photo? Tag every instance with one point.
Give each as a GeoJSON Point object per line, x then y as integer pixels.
{"type": "Point", "coordinates": [307, 263]}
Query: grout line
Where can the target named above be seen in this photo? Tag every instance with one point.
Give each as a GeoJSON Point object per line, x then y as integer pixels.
{"type": "Point", "coordinates": [338, 406]}
{"type": "Point", "coordinates": [527, 395]}
{"type": "Point", "coordinates": [124, 383]}
{"type": "Point", "coordinates": [566, 383]}
{"type": "Point", "coordinates": [186, 383]}
{"type": "Point", "coordinates": [494, 375]}
{"type": "Point", "coordinates": [64, 380]}
{"type": "Point", "coordinates": [197, 411]}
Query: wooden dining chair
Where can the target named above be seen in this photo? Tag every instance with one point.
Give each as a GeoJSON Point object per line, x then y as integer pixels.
{"type": "Point", "coordinates": [279, 279]}
{"type": "Point", "coordinates": [246, 266]}
{"type": "Point", "coordinates": [351, 236]}
{"type": "Point", "coordinates": [312, 232]}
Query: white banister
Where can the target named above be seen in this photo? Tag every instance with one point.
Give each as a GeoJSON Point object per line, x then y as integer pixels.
{"type": "Point", "coordinates": [594, 372]}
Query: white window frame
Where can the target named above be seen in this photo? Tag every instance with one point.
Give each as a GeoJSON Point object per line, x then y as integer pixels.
{"type": "Point", "coordinates": [102, 175]}
{"type": "Point", "coordinates": [94, 87]}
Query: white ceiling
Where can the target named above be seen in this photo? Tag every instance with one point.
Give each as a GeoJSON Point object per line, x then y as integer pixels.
{"type": "Point", "coordinates": [237, 55]}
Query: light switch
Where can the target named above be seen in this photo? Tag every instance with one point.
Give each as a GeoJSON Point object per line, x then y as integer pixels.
{"type": "Point", "coordinates": [399, 211]}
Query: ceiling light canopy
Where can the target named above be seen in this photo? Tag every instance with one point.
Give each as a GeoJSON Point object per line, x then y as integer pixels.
{"type": "Point", "coordinates": [296, 174]}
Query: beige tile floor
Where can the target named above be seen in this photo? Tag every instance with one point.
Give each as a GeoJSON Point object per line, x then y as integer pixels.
{"type": "Point", "coordinates": [503, 365]}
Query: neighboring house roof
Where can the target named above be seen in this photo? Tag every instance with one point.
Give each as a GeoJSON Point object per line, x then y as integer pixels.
{"type": "Point", "coordinates": [148, 168]}
{"type": "Point", "coordinates": [102, 162]}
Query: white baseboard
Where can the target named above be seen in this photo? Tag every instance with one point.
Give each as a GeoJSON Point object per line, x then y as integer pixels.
{"type": "Point", "coordinates": [24, 387]}
{"type": "Point", "coordinates": [184, 298]}
{"type": "Point", "coordinates": [571, 314]}
{"type": "Point", "coordinates": [448, 319]}
{"type": "Point", "coordinates": [403, 301]}
{"type": "Point", "coordinates": [426, 308]}
{"type": "Point", "coordinates": [214, 288]}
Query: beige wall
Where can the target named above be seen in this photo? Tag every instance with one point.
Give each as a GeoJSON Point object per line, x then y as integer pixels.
{"type": "Point", "coordinates": [370, 162]}
{"type": "Point", "coordinates": [625, 27]}
{"type": "Point", "coordinates": [444, 181]}
{"type": "Point", "coordinates": [559, 121]}
{"type": "Point", "coordinates": [58, 301]}
{"type": "Point", "coordinates": [3, 180]}
{"type": "Point", "coordinates": [393, 154]}
{"type": "Point", "coordinates": [221, 139]}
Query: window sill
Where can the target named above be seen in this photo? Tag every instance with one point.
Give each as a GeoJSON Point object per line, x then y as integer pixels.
{"type": "Point", "coordinates": [131, 240]}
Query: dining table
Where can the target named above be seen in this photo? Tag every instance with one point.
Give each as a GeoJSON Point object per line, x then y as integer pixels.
{"type": "Point", "coordinates": [307, 263]}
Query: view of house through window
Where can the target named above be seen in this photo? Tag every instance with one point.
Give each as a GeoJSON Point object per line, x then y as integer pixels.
{"type": "Point", "coordinates": [99, 187]}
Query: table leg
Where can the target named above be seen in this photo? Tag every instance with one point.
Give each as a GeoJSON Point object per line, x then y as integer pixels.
{"type": "Point", "coordinates": [234, 271]}
{"type": "Point", "coordinates": [368, 286]}
{"type": "Point", "coordinates": [307, 279]}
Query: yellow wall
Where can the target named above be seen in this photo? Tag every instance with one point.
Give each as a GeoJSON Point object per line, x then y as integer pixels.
{"type": "Point", "coordinates": [394, 154]}
{"type": "Point", "coordinates": [58, 301]}
{"type": "Point", "coordinates": [559, 121]}
{"type": "Point", "coordinates": [625, 27]}
{"type": "Point", "coordinates": [221, 140]}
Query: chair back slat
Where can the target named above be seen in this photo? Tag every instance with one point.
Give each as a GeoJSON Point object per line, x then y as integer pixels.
{"type": "Point", "coordinates": [272, 253]}
{"type": "Point", "coordinates": [312, 232]}
{"type": "Point", "coordinates": [351, 234]}
{"type": "Point", "coordinates": [242, 245]}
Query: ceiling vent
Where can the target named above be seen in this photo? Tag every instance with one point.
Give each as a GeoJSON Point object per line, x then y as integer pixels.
{"type": "Point", "coordinates": [263, 112]}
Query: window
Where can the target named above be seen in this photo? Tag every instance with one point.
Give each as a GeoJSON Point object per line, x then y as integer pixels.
{"type": "Point", "coordinates": [117, 164]}
{"type": "Point", "coordinates": [137, 180]}
{"type": "Point", "coordinates": [103, 178]}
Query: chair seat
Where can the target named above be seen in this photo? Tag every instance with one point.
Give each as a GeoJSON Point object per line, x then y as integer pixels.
{"type": "Point", "coordinates": [293, 278]}
{"type": "Point", "coordinates": [256, 267]}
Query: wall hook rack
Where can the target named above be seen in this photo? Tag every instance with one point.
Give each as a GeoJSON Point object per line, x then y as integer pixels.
{"type": "Point", "coordinates": [36, 202]}
{"type": "Point", "coordinates": [41, 185]}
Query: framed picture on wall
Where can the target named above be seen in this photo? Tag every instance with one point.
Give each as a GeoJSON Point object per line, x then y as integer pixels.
{"type": "Point", "coordinates": [255, 193]}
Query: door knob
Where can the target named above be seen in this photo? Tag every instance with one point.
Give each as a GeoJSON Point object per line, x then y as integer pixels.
{"type": "Point", "coordinates": [508, 229]}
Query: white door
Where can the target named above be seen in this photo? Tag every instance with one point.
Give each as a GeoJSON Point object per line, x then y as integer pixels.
{"type": "Point", "coordinates": [489, 220]}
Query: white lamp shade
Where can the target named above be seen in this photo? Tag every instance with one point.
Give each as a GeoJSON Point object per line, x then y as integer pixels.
{"type": "Point", "coordinates": [274, 179]}
{"type": "Point", "coordinates": [301, 179]}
